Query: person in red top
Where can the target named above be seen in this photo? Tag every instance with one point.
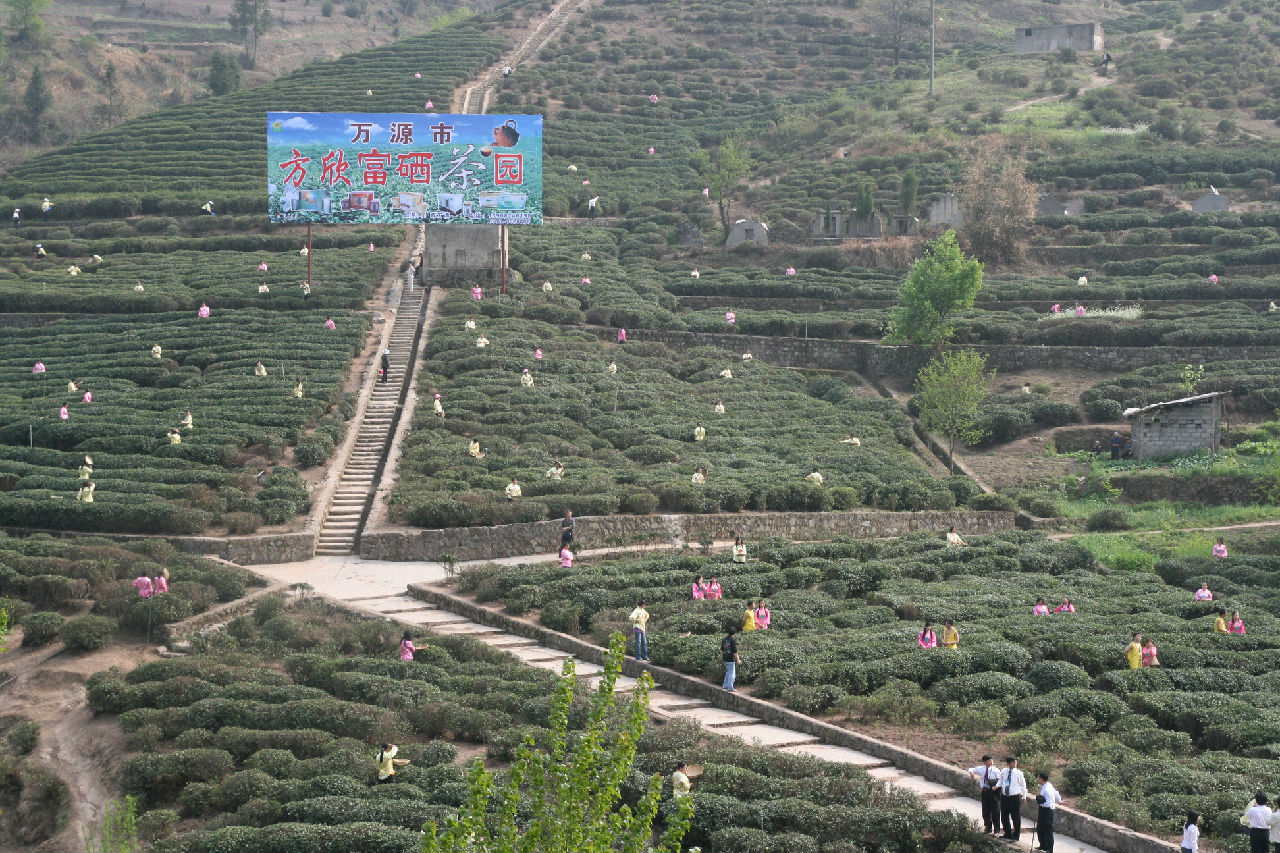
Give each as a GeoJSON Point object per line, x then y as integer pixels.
{"type": "Point", "coordinates": [142, 584]}
{"type": "Point", "coordinates": [1065, 607]}
{"type": "Point", "coordinates": [1236, 625]}
{"type": "Point", "coordinates": [927, 639]}
{"type": "Point", "coordinates": [159, 583]}
{"type": "Point", "coordinates": [713, 590]}
{"type": "Point", "coordinates": [699, 589]}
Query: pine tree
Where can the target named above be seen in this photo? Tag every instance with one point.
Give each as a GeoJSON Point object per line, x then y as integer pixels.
{"type": "Point", "coordinates": [37, 100]}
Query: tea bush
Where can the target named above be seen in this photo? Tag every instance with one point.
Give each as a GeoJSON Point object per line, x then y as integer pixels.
{"type": "Point", "coordinates": [846, 615]}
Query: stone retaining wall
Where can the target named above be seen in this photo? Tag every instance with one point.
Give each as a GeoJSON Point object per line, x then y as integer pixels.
{"type": "Point", "coordinates": [1195, 489]}
{"type": "Point", "coordinates": [872, 357]}
{"type": "Point", "coordinates": [538, 537]}
{"type": "Point", "coordinates": [1091, 830]}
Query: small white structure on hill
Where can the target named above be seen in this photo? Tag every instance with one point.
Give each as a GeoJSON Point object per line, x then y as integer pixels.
{"type": "Point", "coordinates": [946, 211]}
{"type": "Point", "coordinates": [1049, 39]}
{"type": "Point", "coordinates": [1050, 206]}
{"type": "Point", "coordinates": [1177, 426]}
{"type": "Point", "coordinates": [748, 231]}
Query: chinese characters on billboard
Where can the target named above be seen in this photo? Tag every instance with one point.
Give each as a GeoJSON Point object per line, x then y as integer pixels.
{"type": "Point", "coordinates": [391, 167]}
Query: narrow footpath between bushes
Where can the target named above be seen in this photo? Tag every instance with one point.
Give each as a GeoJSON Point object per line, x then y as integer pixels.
{"type": "Point", "coordinates": [380, 589]}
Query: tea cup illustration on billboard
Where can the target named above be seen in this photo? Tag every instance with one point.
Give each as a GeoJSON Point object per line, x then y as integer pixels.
{"type": "Point", "coordinates": [505, 135]}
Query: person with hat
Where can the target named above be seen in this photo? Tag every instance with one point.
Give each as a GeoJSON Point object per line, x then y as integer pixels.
{"type": "Point", "coordinates": [526, 378]}
{"type": "Point", "coordinates": [386, 364]}
{"type": "Point", "coordinates": [680, 786]}
{"type": "Point", "coordinates": [437, 406]}
{"type": "Point", "coordinates": [988, 778]}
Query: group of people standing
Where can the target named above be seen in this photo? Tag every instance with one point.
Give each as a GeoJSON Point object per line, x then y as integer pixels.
{"type": "Point", "coordinates": [1002, 795]}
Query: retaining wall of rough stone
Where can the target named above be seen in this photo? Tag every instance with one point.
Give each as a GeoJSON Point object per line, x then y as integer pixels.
{"type": "Point", "coordinates": [539, 537]}
{"type": "Point", "coordinates": [1091, 830]}
{"type": "Point", "coordinates": [871, 357]}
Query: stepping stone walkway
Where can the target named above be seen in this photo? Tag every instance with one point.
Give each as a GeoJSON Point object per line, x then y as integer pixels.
{"type": "Point", "coordinates": [668, 705]}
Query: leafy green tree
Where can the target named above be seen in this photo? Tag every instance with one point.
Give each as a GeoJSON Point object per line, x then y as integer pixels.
{"type": "Point", "coordinates": [249, 19]}
{"type": "Point", "coordinates": [113, 110]}
{"type": "Point", "coordinates": [941, 282]}
{"type": "Point", "coordinates": [224, 74]}
{"type": "Point", "coordinates": [723, 169]}
{"type": "Point", "coordinates": [864, 206]}
{"type": "Point", "coordinates": [951, 392]}
{"type": "Point", "coordinates": [907, 192]}
{"type": "Point", "coordinates": [25, 20]}
{"type": "Point", "coordinates": [118, 832]}
{"type": "Point", "coordinates": [37, 99]}
{"type": "Point", "coordinates": [571, 797]}
{"type": "Point", "coordinates": [4, 630]}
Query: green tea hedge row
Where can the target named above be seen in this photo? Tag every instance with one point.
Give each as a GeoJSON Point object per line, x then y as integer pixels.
{"type": "Point", "coordinates": [626, 437]}
{"type": "Point", "coordinates": [846, 615]}
{"type": "Point", "coordinates": [275, 787]}
{"type": "Point", "coordinates": [144, 483]}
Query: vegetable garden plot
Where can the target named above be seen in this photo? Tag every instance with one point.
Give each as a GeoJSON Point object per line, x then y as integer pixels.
{"type": "Point", "coordinates": [845, 615]}
{"type": "Point", "coordinates": [144, 482]}
{"type": "Point", "coordinates": [627, 439]}
{"type": "Point", "coordinates": [261, 756]}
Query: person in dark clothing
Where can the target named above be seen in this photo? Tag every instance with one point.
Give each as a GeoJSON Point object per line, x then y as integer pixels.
{"type": "Point", "coordinates": [566, 528]}
{"type": "Point", "coordinates": [386, 364]}
{"type": "Point", "coordinates": [1116, 444]}
{"type": "Point", "coordinates": [729, 655]}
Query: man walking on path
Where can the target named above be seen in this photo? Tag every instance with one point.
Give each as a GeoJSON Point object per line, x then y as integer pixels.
{"type": "Point", "coordinates": [640, 630]}
{"type": "Point", "coordinates": [386, 364]}
{"type": "Point", "coordinates": [1013, 790]}
{"type": "Point", "coordinates": [729, 654]}
{"type": "Point", "coordinates": [989, 779]}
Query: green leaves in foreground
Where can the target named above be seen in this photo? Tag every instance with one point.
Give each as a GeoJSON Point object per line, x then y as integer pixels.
{"type": "Point", "coordinates": [941, 282]}
{"type": "Point", "coordinates": [574, 793]}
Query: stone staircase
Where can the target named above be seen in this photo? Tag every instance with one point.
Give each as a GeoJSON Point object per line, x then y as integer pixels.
{"type": "Point", "coordinates": [359, 480]}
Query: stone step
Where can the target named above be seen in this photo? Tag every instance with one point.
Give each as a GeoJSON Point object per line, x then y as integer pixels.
{"type": "Point", "coordinates": [773, 737]}
{"type": "Point", "coordinates": [715, 718]}
{"type": "Point", "coordinates": [509, 641]}
{"type": "Point", "coordinates": [333, 552]}
{"type": "Point", "coordinates": [837, 754]}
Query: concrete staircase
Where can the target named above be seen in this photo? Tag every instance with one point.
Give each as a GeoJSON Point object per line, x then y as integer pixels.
{"type": "Point", "coordinates": [354, 494]}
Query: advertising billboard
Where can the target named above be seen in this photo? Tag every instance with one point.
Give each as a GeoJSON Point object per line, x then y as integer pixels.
{"type": "Point", "coordinates": [410, 167]}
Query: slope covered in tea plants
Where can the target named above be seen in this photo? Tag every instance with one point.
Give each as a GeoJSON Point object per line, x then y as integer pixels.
{"type": "Point", "coordinates": [1134, 746]}
{"type": "Point", "coordinates": [627, 439]}
{"type": "Point", "coordinates": [267, 741]}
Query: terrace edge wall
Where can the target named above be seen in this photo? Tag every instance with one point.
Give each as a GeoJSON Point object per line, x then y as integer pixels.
{"type": "Point", "coordinates": [258, 549]}
{"type": "Point", "coordinates": [872, 357]}
{"type": "Point", "coordinates": [1091, 830]}
{"type": "Point", "coordinates": [543, 537]}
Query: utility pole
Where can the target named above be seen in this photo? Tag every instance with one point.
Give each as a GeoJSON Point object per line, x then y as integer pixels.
{"type": "Point", "coordinates": [932, 22]}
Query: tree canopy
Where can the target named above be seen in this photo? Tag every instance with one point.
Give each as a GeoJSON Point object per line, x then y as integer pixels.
{"type": "Point", "coordinates": [952, 390]}
{"type": "Point", "coordinates": [940, 283]}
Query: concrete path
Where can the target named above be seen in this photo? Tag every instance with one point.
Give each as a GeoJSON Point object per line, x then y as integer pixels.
{"type": "Point", "coordinates": [378, 588]}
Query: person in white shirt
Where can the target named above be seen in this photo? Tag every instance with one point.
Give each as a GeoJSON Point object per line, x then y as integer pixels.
{"type": "Point", "coordinates": [699, 432]}
{"type": "Point", "coordinates": [1259, 817]}
{"type": "Point", "coordinates": [726, 374]}
{"type": "Point", "coordinates": [1191, 833]}
{"type": "Point", "coordinates": [556, 471]}
{"type": "Point", "coordinates": [699, 476]}
{"type": "Point", "coordinates": [953, 538]}
{"type": "Point", "coordinates": [1013, 790]}
{"type": "Point", "coordinates": [1049, 798]}
{"type": "Point", "coordinates": [719, 410]}
{"type": "Point", "coordinates": [470, 325]}
{"type": "Point", "coordinates": [512, 490]}
{"type": "Point", "coordinates": [612, 368]}
{"type": "Point", "coordinates": [815, 477]}
{"type": "Point", "coordinates": [482, 342]}
{"type": "Point", "coordinates": [988, 778]}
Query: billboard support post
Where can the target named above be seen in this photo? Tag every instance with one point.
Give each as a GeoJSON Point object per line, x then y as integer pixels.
{"type": "Point", "coordinates": [308, 254]}
{"type": "Point", "coordinates": [502, 254]}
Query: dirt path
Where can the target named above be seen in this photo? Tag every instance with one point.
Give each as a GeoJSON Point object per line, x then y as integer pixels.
{"type": "Point", "coordinates": [473, 96]}
{"type": "Point", "coordinates": [1096, 82]}
{"type": "Point", "coordinates": [82, 751]}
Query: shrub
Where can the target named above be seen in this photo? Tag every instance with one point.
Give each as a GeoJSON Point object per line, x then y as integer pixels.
{"type": "Point", "coordinates": [980, 719]}
{"type": "Point", "coordinates": [639, 503]}
{"type": "Point", "coordinates": [1133, 561]}
{"type": "Point", "coordinates": [86, 633]}
{"type": "Point", "coordinates": [1051, 675]}
{"type": "Point", "coordinates": [1109, 518]}
{"type": "Point", "coordinates": [23, 737]}
{"type": "Point", "coordinates": [40, 628]}
{"type": "Point", "coordinates": [1104, 411]}
{"type": "Point", "coordinates": [561, 615]}
{"type": "Point", "coordinates": [987, 501]}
